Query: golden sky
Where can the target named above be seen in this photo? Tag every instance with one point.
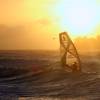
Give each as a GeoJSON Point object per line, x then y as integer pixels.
{"type": "Point", "coordinates": [35, 24]}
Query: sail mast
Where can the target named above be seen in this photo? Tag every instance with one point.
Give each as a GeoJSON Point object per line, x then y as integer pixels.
{"type": "Point", "coordinates": [69, 54]}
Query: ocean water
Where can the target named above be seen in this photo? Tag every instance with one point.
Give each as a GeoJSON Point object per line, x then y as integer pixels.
{"type": "Point", "coordinates": [19, 80]}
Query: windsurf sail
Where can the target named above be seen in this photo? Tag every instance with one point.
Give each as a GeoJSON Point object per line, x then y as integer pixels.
{"type": "Point", "coordinates": [69, 55]}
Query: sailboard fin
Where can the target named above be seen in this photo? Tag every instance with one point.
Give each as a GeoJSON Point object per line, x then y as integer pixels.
{"type": "Point", "coordinates": [69, 55]}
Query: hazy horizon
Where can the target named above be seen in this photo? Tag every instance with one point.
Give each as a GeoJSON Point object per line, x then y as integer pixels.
{"type": "Point", "coordinates": [36, 24]}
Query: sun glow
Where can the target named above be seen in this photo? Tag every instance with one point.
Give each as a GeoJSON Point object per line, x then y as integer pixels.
{"type": "Point", "coordinates": [79, 17]}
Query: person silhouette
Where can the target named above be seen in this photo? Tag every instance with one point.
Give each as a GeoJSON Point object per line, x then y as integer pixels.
{"type": "Point", "coordinates": [74, 67]}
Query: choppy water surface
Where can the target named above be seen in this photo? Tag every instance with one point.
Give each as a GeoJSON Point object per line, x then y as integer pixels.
{"type": "Point", "coordinates": [18, 81]}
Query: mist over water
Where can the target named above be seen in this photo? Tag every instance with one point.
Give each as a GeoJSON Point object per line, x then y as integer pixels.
{"type": "Point", "coordinates": [44, 57]}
